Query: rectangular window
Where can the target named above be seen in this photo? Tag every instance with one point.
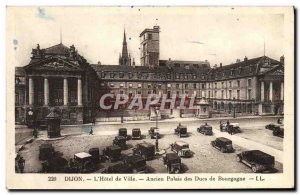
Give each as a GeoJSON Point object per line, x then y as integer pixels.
{"type": "Point", "coordinates": [208, 94]}
{"type": "Point", "coordinates": [186, 86]}
{"type": "Point", "coordinates": [222, 94]}
{"type": "Point", "coordinates": [238, 94]}
{"type": "Point", "coordinates": [222, 84]}
{"type": "Point", "coordinates": [150, 36]}
{"type": "Point", "coordinates": [216, 85]}
{"type": "Point", "coordinates": [230, 84]}
{"type": "Point", "coordinates": [203, 86]}
{"type": "Point", "coordinates": [238, 83]}
{"type": "Point", "coordinates": [249, 94]}
{"type": "Point", "coordinates": [177, 86]}
{"type": "Point", "coordinates": [139, 85]}
{"type": "Point", "coordinates": [159, 86]}
{"type": "Point", "coordinates": [149, 86]}
{"type": "Point", "coordinates": [139, 92]}
{"type": "Point", "coordinates": [216, 94]}
{"type": "Point", "coordinates": [230, 94]}
{"type": "Point", "coordinates": [195, 86]}
{"type": "Point", "coordinates": [249, 82]}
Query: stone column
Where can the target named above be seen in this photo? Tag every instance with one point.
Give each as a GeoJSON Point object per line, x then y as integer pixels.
{"type": "Point", "coordinates": [46, 91]}
{"type": "Point", "coordinates": [66, 92]}
{"type": "Point", "coordinates": [79, 92]}
{"type": "Point", "coordinates": [31, 91]}
{"type": "Point", "coordinates": [262, 91]}
{"type": "Point", "coordinates": [282, 91]}
{"type": "Point", "coordinates": [271, 91]}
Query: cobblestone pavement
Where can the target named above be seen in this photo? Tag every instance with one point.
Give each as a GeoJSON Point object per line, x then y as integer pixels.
{"type": "Point", "coordinates": [205, 160]}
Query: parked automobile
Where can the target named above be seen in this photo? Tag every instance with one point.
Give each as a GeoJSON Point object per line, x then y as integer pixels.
{"type": "Point", "coordinates": [136, 133]}
{"type": "Point", "coordinates": [95, 153]}
{"type": "Point", "coordinates": [181, 131]}
{"type": "Point", "coordinates": [145, 150]}
{"type": "Point", "coordinates": [83, 162]}
{"type": "Point", "coordinates": [112, 153]}
{"type": "Point", "coordinates": [55, 165]}
{"type": "Point", "coordinates": [136, 162]}
{"type": "Point", "coordinates": [278, 131]}
{"type": "Point", "coordinates": [182, 149]}
{"type": "Point", "coordinates": [223, 144]}
{"type": "Point", "coordinates": [123, 132]}
{"type": "Point", "coordinates": [46, 152]}
{"type": "Point", "coordinates": [271, 126]}
{"type": "Point", "coordinates": [205, 129]}
{"type": "Point", "coordinates": [154, 132]}
{"type": "Point", "coordinates": [120, 167]}
{"type": "Point", "coordinates": [257, 160]}
{"type": "Point", "coordinates": [172, 162]}
{"type": "Point", "coordinates": [120, 141]}
{"type": "Point", "coordinates": [232, 127]}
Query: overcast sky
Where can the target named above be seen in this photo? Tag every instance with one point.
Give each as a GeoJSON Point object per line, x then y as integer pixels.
{"type": "Point", "coordinates": [186, 34]}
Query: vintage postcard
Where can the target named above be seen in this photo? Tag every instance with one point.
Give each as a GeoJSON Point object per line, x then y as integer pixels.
{"type": "Point", "coordinates": [150, 97]}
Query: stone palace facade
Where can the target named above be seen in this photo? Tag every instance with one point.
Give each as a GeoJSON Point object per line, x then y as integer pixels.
{"type": "Point", "coordinates": [60, 78]}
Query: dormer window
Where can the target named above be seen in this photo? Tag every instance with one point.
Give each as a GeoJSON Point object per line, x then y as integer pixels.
{"type": "Point", "coordinates": [112, 85]}
{"type": "Point", "coordinates": [130, 75]}
{"type": "Point", "coordinates": [121, 85]}
{"type": "Point", "coordinates": [185, 76]}
{"type": "Point", "coordinates": [168, 76]}
{"type": "Point", "coordinates": [177, 76]}
{"type": "Point", "coordinates": [194, 77]}
{"type": "Point", "coordinates": [130, 85]}
{"type": "Point", "coordinates": [139, 85]}
{"type": "Point", "coordinates": [112, 75]}
{"type": "Point", "coordinates": [103, 74]}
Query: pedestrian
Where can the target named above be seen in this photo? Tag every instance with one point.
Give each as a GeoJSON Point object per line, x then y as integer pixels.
{"type": "Point", "coordinates": [21, 164]}
{"type": "Point", "coordinates": [156, 145]}
{"type": "Point", "coordinates": [35, 132]}
{"type": "Point", "coordinates": [94, 121]}
{"type": "Point", "coordinates": [91, 131]}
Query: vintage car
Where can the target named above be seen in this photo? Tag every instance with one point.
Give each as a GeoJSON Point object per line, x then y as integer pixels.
{"type": "Point", "coordinates": [120, 167]}
{"type": "Point", "coordinates": [271, 126]}
{"type": "Point", "coordinates": [145, 150]}
{"type": "Point", "coordinates": [232, 127]}
{"type": "Point", "coordinates": [257, 160]}
{"type": "Point", "coordinates": [136, 133]}
{"type": "Point", "coordinates": [55, 165]}
{"type": "Point", "coordinates": [278, 131]}
{"type": "Point", "coordinates": [120, 141]}
{"type": "Point", "coordinates": [96, 158]}
{"type": "Point", "coordinates": [205, 129]}
{"type": "Point", "coordinates": [181, 131]}
{"type": "Point", "coordinates": [172, 162]}
{"type": "Point", "coordinates": [46, 152]}
{"type": "Point", "coordinates": [181, 149]}
{"type": "Point", "coordinates": [123, 132]}
{"type": "Point", "coordinates": [83, 162]}
{"type": "Point", "coordinates": [154, 132]}
{"type": "Point", "coordinates": [223, 144]}
{"type": "Point", "coordinates": [112, 153]}
{"type": "Point", "coordinates": [136, 163]}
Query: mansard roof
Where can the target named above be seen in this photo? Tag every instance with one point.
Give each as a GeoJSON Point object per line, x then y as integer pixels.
{"type": "Point", "coordinates": [59, 49]}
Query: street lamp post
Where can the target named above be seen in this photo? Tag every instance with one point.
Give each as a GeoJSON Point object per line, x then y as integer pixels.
{"type": "Point", "coordinates": [234, 107]}
{"type": "Point", "coordinates": [156, 113]}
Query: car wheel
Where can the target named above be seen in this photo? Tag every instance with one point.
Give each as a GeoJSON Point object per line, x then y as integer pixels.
{"type": "Point", "coordinates": [176, 170]}
{"type": "Point", "coordinates": [223, 150]}
{"type": "Point", "coordinates": [254, 168]}
{"type": "Point", "coordinates": [238, 158]}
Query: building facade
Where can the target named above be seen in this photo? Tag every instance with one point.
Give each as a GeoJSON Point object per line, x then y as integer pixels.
{"type": "Point", "coordinates": [61, 79]}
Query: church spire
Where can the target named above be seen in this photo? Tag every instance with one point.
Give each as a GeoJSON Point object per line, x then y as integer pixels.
{"type": "Point", "coordinates": [124, 58]}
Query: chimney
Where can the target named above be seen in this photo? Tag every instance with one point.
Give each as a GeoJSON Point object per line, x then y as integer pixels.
{"type": "Point", "coordinates": [221, 65]}
{"type": "Point", "coordinates": [99, 63]}
{"type": "Point", "coordinates": [282, 60]}
{"type": "Point", "coordinates": [245, 59]}
{"type": "Point", "coordinates": [169, 59]}
{"type": "Point", "coordinates": [238, 60]}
